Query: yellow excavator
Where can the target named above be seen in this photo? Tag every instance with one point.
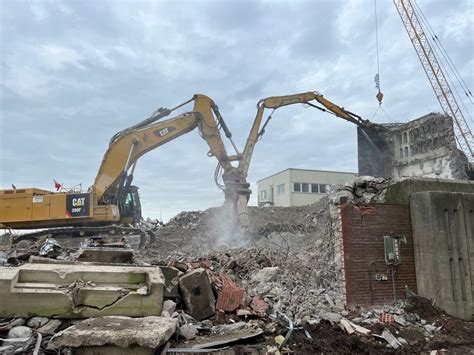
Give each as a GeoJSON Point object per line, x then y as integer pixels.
{"type": "Point", "coordinates": [111, 204]}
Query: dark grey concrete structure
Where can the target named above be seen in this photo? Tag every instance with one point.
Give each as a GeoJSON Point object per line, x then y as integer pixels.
{"type": "Point", "coordinates": [443, 237]}
{"type": "Point", "coordinates": [399, 193]}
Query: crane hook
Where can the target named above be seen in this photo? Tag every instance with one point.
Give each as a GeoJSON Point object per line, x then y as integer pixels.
{"type": "Point", "coordinates": [379, 97]}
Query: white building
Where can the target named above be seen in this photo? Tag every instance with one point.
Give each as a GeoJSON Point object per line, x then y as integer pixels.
{"type": "Point", "coordinates": [298, 187]}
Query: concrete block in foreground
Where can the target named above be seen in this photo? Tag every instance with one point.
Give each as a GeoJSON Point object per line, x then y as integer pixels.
{"type": "Point", "coordinates": [443, 240]}
{"type": "Point", "coordinates": [80, 291]}
{"type": "Point", "coordinates": [133, 334]}
{"type": "Point", "coordinates": [197, 294]}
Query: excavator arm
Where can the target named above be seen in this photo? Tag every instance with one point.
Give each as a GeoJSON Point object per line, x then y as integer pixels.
{"type": "Point", "coordinates": [275, 102]}
{"type": "Point", "coordinates": [127, 146]}
{"type": "Point", "coordinates": [112, 199]}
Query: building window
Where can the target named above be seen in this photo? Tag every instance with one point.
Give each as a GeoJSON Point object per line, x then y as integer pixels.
{"type": "Point", "coordinates": [314, 188]}
{"type": "Point", "coordinates": [304, 187]}
{"type": "Point", "coordinates": [263, 194]}
{"type": "Point", "coordinates": [405, 138]}
{"type": "Point", "coordinates": [406, 152]}
{"type": "Point", "coordinates": [297, 187]}
{"type": "Point", "coordinates": [281, 189]}
{"type": "Point", "coordinates": [322, 188]}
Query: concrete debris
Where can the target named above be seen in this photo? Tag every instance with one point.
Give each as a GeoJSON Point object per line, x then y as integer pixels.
{"type": "Point", "coordinates": [37, 322]}
{"type": "Point", "coordinates": [361, 190]}
{"type": "Point", "coordinates": [168, 308]}
{"type": "Point", "coordinates": [347, 326]}
{"type": "Point", "coordinates": [50, 327]}
{"type": "Point", "coordinates": [197, 294]}
{"type": "Point", "coordinates": [360, 330]}
{"type": "Point", "coordinates": [148, 332]}
{"type": "Point", "coordinates": [60, 292]}
{"type": "Point", "coordinates": [267, 274]}
{"type": "Point", "coordinates": [329, 316]}
{"type": "Point", "coordinates": [20, 332]}
{"type": "Point", "coordinates": [17, 322]}
{"type": "Point", "coordinates": [388, 336]}
{"type": "Point", "coordinates": [188, 331]}
{"type": "Point", "coordinates": [400, 320]}
{"type": "Point", "coordinates": [50, 247]}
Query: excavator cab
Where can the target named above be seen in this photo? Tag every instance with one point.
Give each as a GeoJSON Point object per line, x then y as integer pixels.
{"type": "Point", "coordinates": [130, 207]}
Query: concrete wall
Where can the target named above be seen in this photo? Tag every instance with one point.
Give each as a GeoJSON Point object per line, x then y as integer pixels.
{"type": "Point", "coordinates": [287, 178]}
{"type": "Point", "coordinates": [400, 192]}
{"type": "Point", "coordinates": [443, 228]}
{"type": "Point", "coordinates": [363, 229]}
{"type": "Point", "coordinates": [425, 147]}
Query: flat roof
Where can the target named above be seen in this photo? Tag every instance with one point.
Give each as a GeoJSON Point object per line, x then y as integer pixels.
{"type": "Point", "coordinates": [313, 170]}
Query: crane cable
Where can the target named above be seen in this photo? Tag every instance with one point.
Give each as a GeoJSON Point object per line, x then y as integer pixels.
{"type": "Point", "coordinates": [441, 52]}
{"type": "Point", "coordinates": [379, 95]}
{"type": "Point", "coordinates": [444, 53]}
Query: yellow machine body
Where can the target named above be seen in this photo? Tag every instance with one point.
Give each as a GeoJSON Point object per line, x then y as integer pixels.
{"type": "Point", "coordinates": [36, 208]}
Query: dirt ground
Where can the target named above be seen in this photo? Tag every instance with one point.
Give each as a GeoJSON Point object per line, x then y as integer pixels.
{"type": "Point", "coordinates": [456, 335]}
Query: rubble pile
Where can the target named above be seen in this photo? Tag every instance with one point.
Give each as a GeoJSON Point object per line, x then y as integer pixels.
{"type": "Point", "coordinates": [274, 289]}
{"type": "Point", "coordinates": [362, 189]}
{"type": "Point", "coordinates": [413, 326]}
{"type": "Point", "coordinates": [288, 257]}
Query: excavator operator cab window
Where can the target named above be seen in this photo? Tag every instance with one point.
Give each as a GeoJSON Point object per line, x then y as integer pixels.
{"type": "Point", "coordinates": [128, 201]}
{"type": "Point", "coordinates": [131, 205]}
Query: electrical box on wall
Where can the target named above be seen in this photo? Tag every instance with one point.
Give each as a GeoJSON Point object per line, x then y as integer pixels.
{"type": "Point", "coordinates": [392, 249]}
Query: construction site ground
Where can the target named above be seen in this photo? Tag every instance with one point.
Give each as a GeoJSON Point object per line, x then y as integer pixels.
{"type": "Point", "coordinates": [285, 262]}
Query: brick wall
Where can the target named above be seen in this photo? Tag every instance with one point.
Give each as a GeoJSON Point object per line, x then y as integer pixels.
{"type": "Point", "coordinates": [363, 228]}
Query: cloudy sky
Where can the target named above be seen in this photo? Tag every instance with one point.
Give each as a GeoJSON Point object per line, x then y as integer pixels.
{"type": "Point", "coordinates": [75, 72]}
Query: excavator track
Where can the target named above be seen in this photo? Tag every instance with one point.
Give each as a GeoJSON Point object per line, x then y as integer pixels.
{"type": "Point", "coordinates": [113, 231]}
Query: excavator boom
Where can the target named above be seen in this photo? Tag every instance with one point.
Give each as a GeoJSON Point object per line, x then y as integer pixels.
{"type": "Point", "coordinates": [275, 102]}
{"type": "Point", "coordinates": [112, 199]}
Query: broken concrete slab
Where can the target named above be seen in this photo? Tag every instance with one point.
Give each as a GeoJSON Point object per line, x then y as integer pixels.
{"type": "Point", "coordinates": [171, 274]}
{"type": "Point", "coordinates": [79, 291]}
{"type": "Point", "coordinates": [197, 294]}
{"type": "Point", "coordinates": [124, 332]}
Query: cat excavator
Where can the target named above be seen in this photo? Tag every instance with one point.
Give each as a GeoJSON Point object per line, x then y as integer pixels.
{"type": "Point", "coordinates": [111, 205]}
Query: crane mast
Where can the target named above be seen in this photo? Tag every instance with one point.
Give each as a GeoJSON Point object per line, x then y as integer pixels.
{"type": "Point", "coordinates": [435, 74]}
